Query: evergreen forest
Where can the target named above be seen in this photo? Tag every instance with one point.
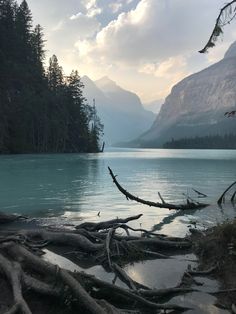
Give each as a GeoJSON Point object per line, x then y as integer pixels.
{"type": "Point", "coordinates": [227, 141]}
{"type": "Point", "coordinates": [41, 110]}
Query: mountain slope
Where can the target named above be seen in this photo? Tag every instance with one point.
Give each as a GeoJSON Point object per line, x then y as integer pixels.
{"type": "Point", "coordinates": [121, 111]}
{"type": "Point", "coordinates": [196, 105]}
{"type": "Point", "coordinates": [154, 106]}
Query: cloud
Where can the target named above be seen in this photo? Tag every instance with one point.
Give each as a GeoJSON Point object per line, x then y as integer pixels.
{"type": "Point", "coordinates": [115, 6]}
{"type": "Point", "coordinates": [144, 45]}
{"type": "Point", "coordinates": [165, 68]}
{"type": "Point", "coordinates": [152, 31]}
{"type": "Point", "coordinates": [92, 8]}
{"type": "Point", "coordinates": [83, 26]}
{"type": "Point", "coordinates": [77, 27]}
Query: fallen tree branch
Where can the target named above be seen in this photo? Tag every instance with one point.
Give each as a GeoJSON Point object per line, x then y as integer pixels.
{"type": "Point", "coordinates": [63, 238]}
{"type": "Point", "coordinates": [221, 199]}
{"type": "Point", "coordinates": [129, 196]}
{"type": "Point", "coordinates": [92, 226]}
{"type": "Point", "coordinates": [127, 294]}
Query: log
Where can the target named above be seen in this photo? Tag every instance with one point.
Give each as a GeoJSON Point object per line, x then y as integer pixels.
{"type": "Point", "coordinates": [63, 238]}
{"type": "Point", "coordinates": [129, 196]}
{"type": "Point", "coordinates": [160, 244]}
{"type": "Point", "coordinates": [92, 226]}
{"type": "Point", "coordinates": [127, 294]}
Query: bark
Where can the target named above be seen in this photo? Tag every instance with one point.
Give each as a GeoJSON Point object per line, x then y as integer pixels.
{"type": "Point", "coordinates": [91, 226]}
{"type": "Point", "coordinates": [63, 238]}
{"type": "Point", "coordinates": [129, 196]}
{"type": "Point", "coordinates": [46, 268]}
{"type": "Point", "coordinates": [13, 272]}
{"type": "Point", "coordinates": [221, 199]}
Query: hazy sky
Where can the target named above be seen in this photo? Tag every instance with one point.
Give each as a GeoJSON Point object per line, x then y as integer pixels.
{"type": "Point", "coordinates": [146, 46]}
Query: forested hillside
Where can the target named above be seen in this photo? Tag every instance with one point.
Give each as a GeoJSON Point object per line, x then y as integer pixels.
{"type": "Point", "coordinates": [228, 141]}
{"type": "Point", "coordinates": [41, 110]}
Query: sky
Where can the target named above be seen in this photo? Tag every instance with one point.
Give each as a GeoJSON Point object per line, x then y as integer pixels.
{"type": "Point", "coordinates": [145, 46]}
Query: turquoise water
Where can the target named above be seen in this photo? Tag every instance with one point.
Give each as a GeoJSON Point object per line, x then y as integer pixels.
{"type": "Point", "coordinates": [72, 187]}
{"type": "Point", "coordinates": [67, 189]}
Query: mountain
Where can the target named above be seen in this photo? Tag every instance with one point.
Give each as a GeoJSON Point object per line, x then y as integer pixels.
{"type": "Point", "coordinates": [121, 111]}
{"type": "Point", "coordinates": [154, 106]}
{"type": "Point", "coordinates": [196, 105]}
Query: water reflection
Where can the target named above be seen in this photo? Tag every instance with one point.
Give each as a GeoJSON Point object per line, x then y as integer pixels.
{"type": "Point", "coordinates": [170, 218]}
{"type": "Point", "coordinates": [78, 186]}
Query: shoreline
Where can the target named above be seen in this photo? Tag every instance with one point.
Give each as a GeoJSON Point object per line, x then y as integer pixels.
{"type": "Point", "coordinates": [200, 248]}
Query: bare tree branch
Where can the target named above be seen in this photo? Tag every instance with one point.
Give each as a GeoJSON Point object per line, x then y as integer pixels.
{"type": "Point", "coordinates": [129, 196]}
{"type": "Point", "coordinates": [226, 15]}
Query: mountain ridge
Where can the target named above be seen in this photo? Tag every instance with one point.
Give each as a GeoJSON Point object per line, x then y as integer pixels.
{"type": "Point", "coordinates": [120, 110]}
{"type": "Point", "coordinates": [196, 105]}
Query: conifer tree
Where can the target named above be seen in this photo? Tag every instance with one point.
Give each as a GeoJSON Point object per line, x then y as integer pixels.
{"type": "Point", "coordinates": [55, 75]}
{"type": "Point", "coordinates": [40, 111]}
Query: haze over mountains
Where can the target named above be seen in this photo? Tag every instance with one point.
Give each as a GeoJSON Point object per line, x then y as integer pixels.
{"type": "Point", "coordinates": [121, 111]}
{"type": "Point", "coordinates": [155, 105]}
{"type": "Point", "coordinates": [196, 105]}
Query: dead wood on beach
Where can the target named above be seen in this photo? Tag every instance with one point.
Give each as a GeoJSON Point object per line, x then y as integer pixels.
{"type": "Point", "coordinates": [23, 267]}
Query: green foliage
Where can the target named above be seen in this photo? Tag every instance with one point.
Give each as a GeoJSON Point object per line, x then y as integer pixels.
{"type": "Point", "coordinates": [40, 111]}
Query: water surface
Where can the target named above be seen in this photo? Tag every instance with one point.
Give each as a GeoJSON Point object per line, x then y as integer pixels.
{"type": "Point", "coordinates": [73, 187]}
{"type": "Point", "coordinates": [69, 188]}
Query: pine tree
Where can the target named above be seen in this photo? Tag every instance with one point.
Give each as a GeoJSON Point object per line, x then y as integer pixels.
{"type": "Point", "coordinates": [55, 75]}
{"type": "Point", "coordinates": [39, 111]}
{"type": "Point", "coordinates": [78, 132]}
{"type": "Point", "coordinates": [23, 22]}
{"type": "Point", "coordinates": [96, 129]}
{"type": "Point", "coordinates": [7, 51]}
{"type": "Point", "coordinates": [37, 43]}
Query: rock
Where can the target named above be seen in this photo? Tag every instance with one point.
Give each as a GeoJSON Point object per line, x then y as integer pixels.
{"type": "Point", "coordinates": [196, 105]}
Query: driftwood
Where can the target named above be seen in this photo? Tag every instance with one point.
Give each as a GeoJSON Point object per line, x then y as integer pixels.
{"type": "Point", "coordinates": [8, 218]}
{"type": "Point", "coordinates": [23, 267]}
{"type": "Point", "coordinates": [129, 196]}
{"type": "Point", "coordinates": [221, 199]}
{"type": "Point", "coordinates": [110, 245]}
{"type": "Point", "coordinates": [91, 226]}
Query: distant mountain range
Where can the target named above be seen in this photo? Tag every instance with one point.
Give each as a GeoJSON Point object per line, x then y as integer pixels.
{"type": "Point", "coordinates": [196, 105]}
{"type": "Point", "coordinates": [121, 111]}
{"type": "Point", "coordinates": [154, 106]}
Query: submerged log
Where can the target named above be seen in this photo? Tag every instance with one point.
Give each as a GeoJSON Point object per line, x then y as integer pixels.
{"type": "Point", "coordinates": [129, 196]}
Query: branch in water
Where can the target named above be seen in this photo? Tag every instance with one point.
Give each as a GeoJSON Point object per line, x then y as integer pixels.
{"type": "Point", "coordinates": [129, 196]}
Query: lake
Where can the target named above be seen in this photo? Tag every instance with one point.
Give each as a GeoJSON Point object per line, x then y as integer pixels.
{"type": "Point", "coordinates": [67, 188]}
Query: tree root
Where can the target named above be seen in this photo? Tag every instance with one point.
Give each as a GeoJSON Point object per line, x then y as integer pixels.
{"type": "Point", "coordinates": [13, 272]}
{"type": "Point", "coordinates": [37, 264]}
{"type": "Point", "coordinates": [24, 268]}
